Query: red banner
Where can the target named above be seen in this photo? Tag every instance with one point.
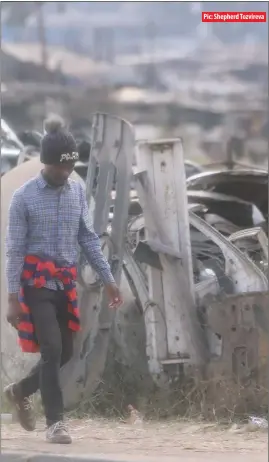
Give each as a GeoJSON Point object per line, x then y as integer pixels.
{"type": "Point", "coordinates": [216, 16]}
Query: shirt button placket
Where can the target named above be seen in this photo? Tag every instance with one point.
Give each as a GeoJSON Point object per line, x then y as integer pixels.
{"type": "Point", "coordinates": [59, 221]}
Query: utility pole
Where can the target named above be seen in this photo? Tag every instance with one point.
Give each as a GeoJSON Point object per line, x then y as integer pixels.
{"type": "Point", "coordinates": [104, 44]}
{"type": "Point", "coordinates": [151, 33]}
{"type": "Point", "coordinates": [41, 31]}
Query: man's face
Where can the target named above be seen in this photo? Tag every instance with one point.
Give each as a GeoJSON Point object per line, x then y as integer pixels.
{"type": "Point", "coordinates": [58, 174]}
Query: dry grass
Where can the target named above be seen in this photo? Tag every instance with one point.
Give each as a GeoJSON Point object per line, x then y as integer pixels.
{"type": "Point", "coordinates": [219, 399]}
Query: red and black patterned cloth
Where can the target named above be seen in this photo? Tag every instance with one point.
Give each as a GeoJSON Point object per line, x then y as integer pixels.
{"type": "Point", "coordinates": [40, 271]}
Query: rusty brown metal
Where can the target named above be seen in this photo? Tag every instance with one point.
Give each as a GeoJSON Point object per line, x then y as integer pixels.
{"type": "Point", "coordinates": [241, 324]}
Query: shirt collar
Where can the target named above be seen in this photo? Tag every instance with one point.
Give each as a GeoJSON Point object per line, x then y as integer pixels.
{"type": "Point", "coordinates": [42, 183]}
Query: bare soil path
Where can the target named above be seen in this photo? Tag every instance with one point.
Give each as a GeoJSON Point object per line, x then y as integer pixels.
{"type": "Point", "coordinates": [149, 442]}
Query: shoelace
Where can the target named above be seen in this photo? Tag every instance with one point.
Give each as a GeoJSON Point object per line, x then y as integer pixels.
{"type": "Point", "coordinates": [58, 426]}
{"type": "Point", "coordinates": [26, 404]}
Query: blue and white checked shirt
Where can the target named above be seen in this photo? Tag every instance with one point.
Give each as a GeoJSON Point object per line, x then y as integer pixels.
{"type": "Point", "coordinates": [51, 222]}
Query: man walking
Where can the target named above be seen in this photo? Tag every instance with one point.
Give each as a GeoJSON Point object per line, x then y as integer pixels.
{"type": "Point", "coordinates": [48, 221]}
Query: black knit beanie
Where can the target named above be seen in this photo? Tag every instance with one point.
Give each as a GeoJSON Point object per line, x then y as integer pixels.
{"type": "Point", "coordinates": [57, 145]}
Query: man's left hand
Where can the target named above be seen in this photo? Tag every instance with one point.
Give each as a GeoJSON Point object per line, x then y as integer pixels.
{"type": "Point", "coordinates": [114, 296]}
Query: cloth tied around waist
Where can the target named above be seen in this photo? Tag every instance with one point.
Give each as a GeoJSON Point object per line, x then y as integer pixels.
{"type": "Point", "coordinates": [41, 271]}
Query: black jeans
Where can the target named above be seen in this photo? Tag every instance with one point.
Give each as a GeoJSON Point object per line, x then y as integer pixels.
{"type": "Point", "coordinates": [49, 312]}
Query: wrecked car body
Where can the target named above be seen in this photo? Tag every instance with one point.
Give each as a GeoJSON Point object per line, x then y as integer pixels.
{"type": "Point", "coordinates": [247, 185]}
{"type": "Point", "coordinates": [239, 212]}
{"type": "Point", "coordinates": [226, 213]}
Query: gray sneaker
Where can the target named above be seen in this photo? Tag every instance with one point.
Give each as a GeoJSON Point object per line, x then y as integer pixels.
{"type": "Point", "coordinates": [58, 434]}
{"type": "Point", "coordinates": [24, 408]}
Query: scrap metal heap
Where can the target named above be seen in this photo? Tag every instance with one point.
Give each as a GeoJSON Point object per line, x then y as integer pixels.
{"type": "Point", "coordinates": [191, 264]}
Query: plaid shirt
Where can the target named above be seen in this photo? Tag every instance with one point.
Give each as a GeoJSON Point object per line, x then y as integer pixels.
{"type": "Point", "coordinates": [52, 223]}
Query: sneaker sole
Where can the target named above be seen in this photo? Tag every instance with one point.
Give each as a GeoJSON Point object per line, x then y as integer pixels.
{"type": "Point", "coordinates": [61, 440]}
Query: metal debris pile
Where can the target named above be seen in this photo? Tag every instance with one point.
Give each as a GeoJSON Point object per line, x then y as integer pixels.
{"type": "Point", "coordinates": [191, 254]}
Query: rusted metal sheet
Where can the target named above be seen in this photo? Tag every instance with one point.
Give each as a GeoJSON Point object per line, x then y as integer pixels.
{"type": "Point", "coordinates": [241, 324]}
{"type": "Point", "coordinates": [112, 151]}
{"type": "Point", "coordinates": [162, 195]}
{"type": "Point", "coordinates": [179, 305]}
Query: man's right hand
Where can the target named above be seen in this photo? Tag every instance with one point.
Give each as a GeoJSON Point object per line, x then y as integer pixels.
{"type": "Point", "coordinates": [14, 310]}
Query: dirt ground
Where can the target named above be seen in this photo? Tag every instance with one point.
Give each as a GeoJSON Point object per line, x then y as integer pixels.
{"type": "Point", "coordinates": [146, 442]}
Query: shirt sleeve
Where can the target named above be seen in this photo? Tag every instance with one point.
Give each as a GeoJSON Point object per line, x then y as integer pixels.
{"type": "Point", "coordinates": [90, 244]}
{"type": "Point", "coordinates": [15, 242]}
